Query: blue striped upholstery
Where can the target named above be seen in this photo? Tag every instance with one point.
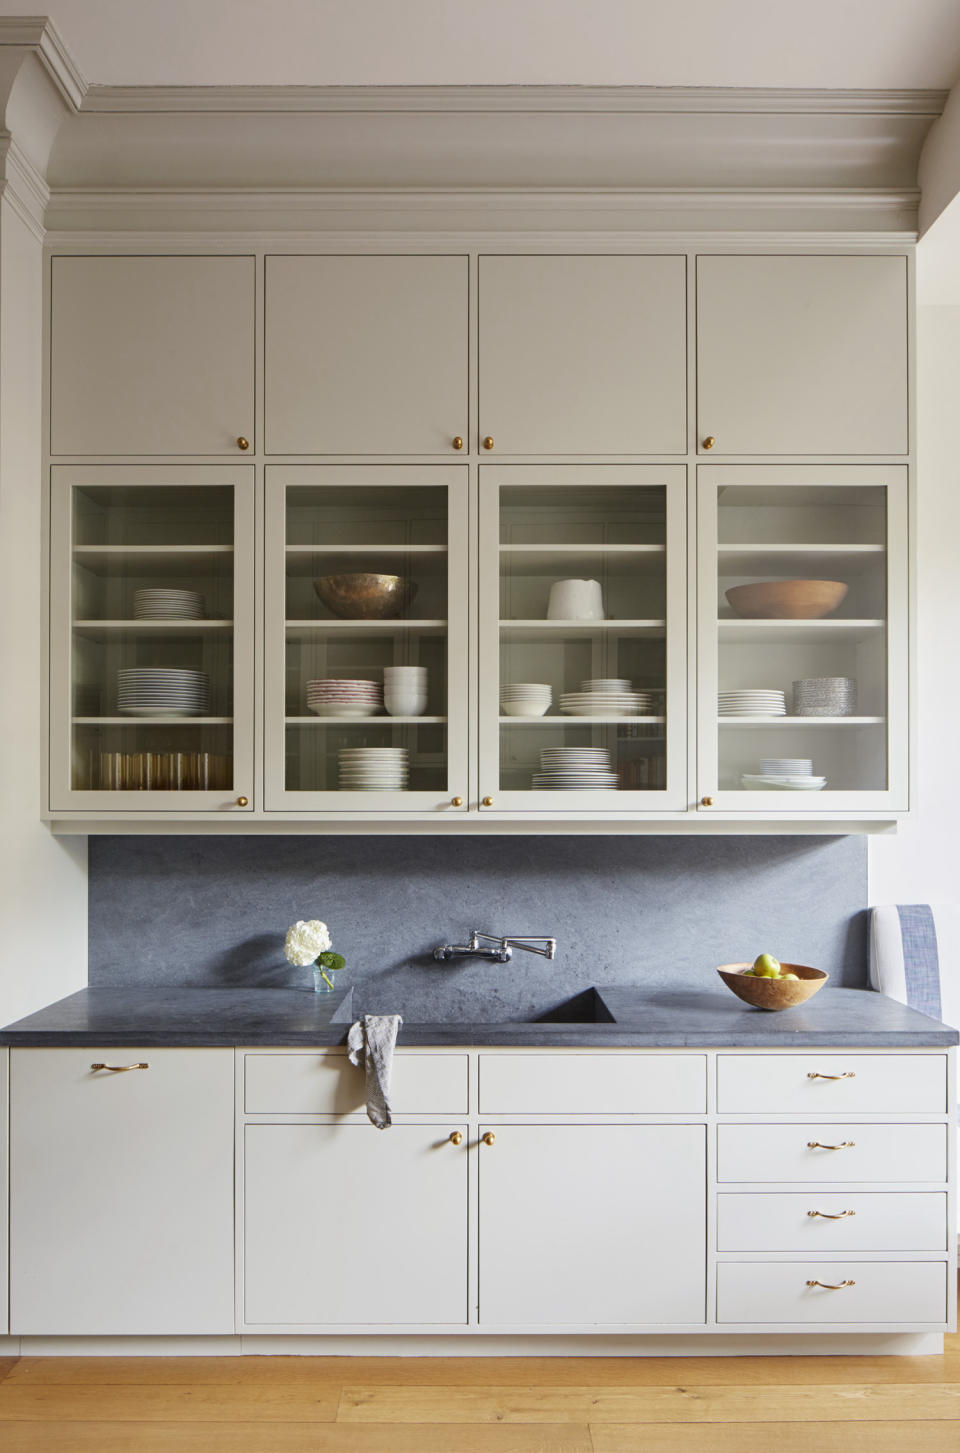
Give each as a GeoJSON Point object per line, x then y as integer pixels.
{"type": "Point", "coordinates": [921, 958]}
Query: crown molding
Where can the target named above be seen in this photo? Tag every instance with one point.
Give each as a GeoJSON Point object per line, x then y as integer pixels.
{"type": "Point", "coordinates": [494, 99]}
{"type": "Point", "coordinates": [22, 185]}
{"type": "Point", "coordinates": [39, 34]}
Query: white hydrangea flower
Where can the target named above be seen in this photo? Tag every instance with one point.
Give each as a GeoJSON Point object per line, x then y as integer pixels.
{"type": "Point", "coordinates": [305, 940]}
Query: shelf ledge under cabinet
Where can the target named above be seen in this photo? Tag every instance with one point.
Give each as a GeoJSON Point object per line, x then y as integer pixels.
{"type": "Point", "coordinates": [800, 721]}
{"type": "Point", "coordinates": [140, 721]}
{"type": "Point", "coordinates": [783, 559]}
{"type": "Point", "coordinates": [153, 627]}
{"type": "Point", "coordinates": [757, 632]}
{"type": "Point", "coordinates": [578, 721]}
{"type": "Point", "coordinates": [305, 629]}
{"type": "Point", "coordinates": [366, 721]}
{"type": "Point", "coordinates": [598, 547]}
{"type": "Point", "coordinates": [650, 628]}
{"type": "Point", "coordinates": [374, 549]}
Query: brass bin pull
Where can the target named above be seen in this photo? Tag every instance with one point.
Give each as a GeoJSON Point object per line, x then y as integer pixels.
{"type": "Point", "coordinates": [489, 1138]}
{"type": "Point", "coordinates": [819, 1145]}
{"type": "Point", "coordinates": [831, 1215]}
{"type": "Point", "coordinates": [458, 442]}
{"type": "Point", "coordinates": [243, 443]}
{"type": "Point", "coordinates": [120, 1069]}
{"type": "Point", "coordinates": [456, 1137]}
{"type": "Point", "coordinates": [847, 1075]}
{"type": "Point", "coordinates": [835, 1286]}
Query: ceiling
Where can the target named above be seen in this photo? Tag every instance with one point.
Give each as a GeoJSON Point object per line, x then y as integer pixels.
{"type": "Point", "coordinates": [832, 44]}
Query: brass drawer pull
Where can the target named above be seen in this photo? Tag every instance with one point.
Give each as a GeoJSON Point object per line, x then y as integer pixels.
{"type": "Point", "coordinates": [831, 1215]}
{"type": "Point", "coordinates": [456, 1137]}
{"type": "Point", "coordinates": [835, 1286]}
{"type": "Point", "coordinates": [489, 1138]}
{"type": "Point", "coordinates": [847, 1075]}
{"type": "Point", "coordinates": [120, 1069]}
{"type": "Point", "coordinates": [819, 1145]}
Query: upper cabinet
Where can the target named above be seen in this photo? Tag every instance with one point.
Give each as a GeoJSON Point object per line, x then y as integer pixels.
{"type": "Point", "coordinates": [152, 355]}
{"type": "Point", "coordinates": [802, 355]}
{"type": "Point", "coordinates": [583, 355]}
{"type": "Point", "coordinates": [366, 355]}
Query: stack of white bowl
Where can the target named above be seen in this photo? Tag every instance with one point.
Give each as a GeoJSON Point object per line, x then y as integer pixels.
{"type": "Point", "coordinates": [373, 769]}
{"type": "Point", "coordinates": [575, 769]}
{"type": "Point", "coordinates": [752, 701]}
{"type": "Point", "coordinates": [405, 690]}
{"type": "Point", "coordinates": [786, 774]}
{"type": "Point", "coordinates": [162, 691]}
{"type": "Point", "coordinates": [606, 696]}
{"type": "Point", "coordinates": [161, 604]}
{"type": "Point", "coordinates": [525, 698]}
{"type": "Point", "coordinates": [343, 697]}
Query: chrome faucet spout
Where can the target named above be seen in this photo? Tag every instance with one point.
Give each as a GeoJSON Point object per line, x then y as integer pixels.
{"type": "Point", "coordinates": [500, 948]}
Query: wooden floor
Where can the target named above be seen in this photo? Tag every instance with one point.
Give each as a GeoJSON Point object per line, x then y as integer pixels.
{"type": "Point", "coordinates": [483, 1405]}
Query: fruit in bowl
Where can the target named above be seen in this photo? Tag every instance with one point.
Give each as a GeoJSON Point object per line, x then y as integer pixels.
{"type": "Point", "coordinates": [768, 984]}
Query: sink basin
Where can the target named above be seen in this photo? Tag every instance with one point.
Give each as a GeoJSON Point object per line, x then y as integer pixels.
{"type": "Point", "coordinates": [586, 1007]}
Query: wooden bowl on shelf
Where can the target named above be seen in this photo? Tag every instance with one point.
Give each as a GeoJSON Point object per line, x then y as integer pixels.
{"type": "Point", "coordinates": [773, 993]}
{"type": "Point", "coordinates": [787, 600]}
{"type": "Point", "coordinates": [364, 596]}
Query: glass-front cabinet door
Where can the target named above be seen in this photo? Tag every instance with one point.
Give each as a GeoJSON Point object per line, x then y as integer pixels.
{"type": "Point", "coordinates": [582, 638]}
{"type": "Point", "coordinates": [151, 662]}
{"type": "Point", "coordinates": [366, 673]}
{"type": "Point", "coordinates": [803, 638]}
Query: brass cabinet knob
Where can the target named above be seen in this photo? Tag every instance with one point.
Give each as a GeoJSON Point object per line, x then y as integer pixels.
{"type": "Point", "coordinates": [489, 1138]}
{"type": "Point", "coordinates": [243, 801]}
{"type": "Point", "coordinates": [709, 442]}
{"type": "Point", "coordinates": [488, 442]}
{"type": "Point", "coordinates": [706, 801]}
{"type": "Point", "coordinates": [458, 442]}
{"type": "Point", "coordinates": [456, 1137]}
{"type": "Point", "coordinates": [488, 802]}
{"type": "Point", "coordinates": [243, 443]}
{"type": "Point", "coordinates": [456, 801]}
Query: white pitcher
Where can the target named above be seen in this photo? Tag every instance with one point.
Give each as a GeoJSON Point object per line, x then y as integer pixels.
{"type": "Point", "coordinates": [575, 600]}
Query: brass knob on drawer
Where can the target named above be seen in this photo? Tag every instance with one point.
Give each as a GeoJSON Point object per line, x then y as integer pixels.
{"type": "Point", "coordinates": [243, 801]}
{"type": "Point", "coordinates": [819, 1145]}
{"type": "Point", "coordinates": [832, 1286]}
{"type": "Point", "coordinates": [488, 802]}
{"type": "Point", "coordinates": [706, 801]}
{"type": "Point", "coordinates": [709, 442]}
{"type": "Point", "coordinates": [456, 801]}
{"type": "Point", "coordinates": [243, 443]}
{"type": "Point", "coordinates": [456, 1137]}
{"type": "Point", "coordinates": [458, 442]}
{"type": "Point", "coordinates": [489, 1138]}
{"type": "Point", "coordinates": [847, 1075]}
{"type": "Point", "coordinates": [831, 1215]}
{"type": "Point", "coordinates": [488, 441]}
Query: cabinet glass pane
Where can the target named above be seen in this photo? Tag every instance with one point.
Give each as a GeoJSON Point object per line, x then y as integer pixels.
{"type": "Point", "coordinates": [582, 638]}
{"type": "Point", "coordinates": [802, 638]}
{"type": "Point", "coordinates": [366, 638]}
{"type": "Point", "coordinates": [152, 639]}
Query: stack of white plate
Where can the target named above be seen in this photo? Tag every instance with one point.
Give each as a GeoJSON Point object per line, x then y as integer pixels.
{"type": "Point", "coordinates": [575, 769]}
{"type": "Point", "coordinates": [606, 696]}
{"type": "Point", "coordinates": [373, 769]}
{"type": "Point", "coordinates": [784, 774]}
{"type": "Point", "coordinates": [525, 698]}
{"type": "Point", "coordinates": [335, 697]}
{"type": "Point", "coordinates": [786, 766]}
{"type": "Point", "coordinates": [162, 691]}
{"type": "Point", "coordinates": [168, 605]}
{"type": "Point", "coordinates": [752, 701]}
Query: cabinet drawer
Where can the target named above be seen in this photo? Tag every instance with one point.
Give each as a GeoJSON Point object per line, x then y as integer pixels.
{"type": "Point", "coordinates": [877, 1221]}
{"type": "Point", "coordinates": [328, 1084]}
{"type": "Point", "coordinates": [592, 1084]}
{"type": "Point", "coordinates": [875, 1084]}
{"type": "Point", "coordinates": [795, 1153]}
{"type": "Point", "coordinates": [883, 1291]}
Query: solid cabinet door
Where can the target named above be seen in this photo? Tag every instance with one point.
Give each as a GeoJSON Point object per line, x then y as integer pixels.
{"type": "Point", "coordinates": [593, 1225]}
{"type": "Point", "coordinates": [151, 355]}
{"type": "Point", "coordinates": [121, 1206]}
{"type": "Point", "coordinates": [344, 1225]}
{"type": "Point", "coordinates": [802, 355]}
{"type": "Point", "coordinates": [583, 355]}
{"type": "Point", "coordinates": [366, 355]}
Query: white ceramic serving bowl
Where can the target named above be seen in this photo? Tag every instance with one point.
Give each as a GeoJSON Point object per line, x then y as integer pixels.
{"type": "Point", "coordinates": [575, 600]}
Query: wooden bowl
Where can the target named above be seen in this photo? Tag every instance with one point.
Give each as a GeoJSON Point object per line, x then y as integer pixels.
{"type": "Point", "coordinates": [787, 600]}
{"type": "Point", "coordinates": [365, 597]}
{"type": "Point", "coordinates": [774, 993]}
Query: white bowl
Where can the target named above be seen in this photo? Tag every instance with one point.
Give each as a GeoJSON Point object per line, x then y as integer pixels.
{"type": "Point", "coordinates": [524, 708]}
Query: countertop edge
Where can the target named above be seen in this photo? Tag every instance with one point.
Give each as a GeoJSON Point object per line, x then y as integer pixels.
{"type": "Point", "coordinates": [430, 1038]}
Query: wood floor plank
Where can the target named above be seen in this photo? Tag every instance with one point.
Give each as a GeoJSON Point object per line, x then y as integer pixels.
{"type": "Point", "coordinates": [22, 1402]}
{"type": "Point", "coordinates": [923, 1437]}
{"type": "Point", "coordinates": [486, 1371]}
{"type": "Point", "coordinates": [7, 1364]}
{"type": "Point", "coordinates": [678, 1404]}
{"type": "Point", "coordinates": [172, 1437]}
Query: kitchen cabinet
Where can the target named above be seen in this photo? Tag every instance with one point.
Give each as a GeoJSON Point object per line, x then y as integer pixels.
{"type": "Point", "coordinates": [345, 1225]}
{"type": "Point", "coordinates": [802, 355]}
{"type": "Point", "coordinates": [366, 355]}
{"type": "Point", "coordinates": [121, 1201]}
{"type": "Point", "coordinates": [583, 355]}
{"type": "Point", "coordinates": [585, 1224]}
{"type": "Point", "coordinates": [152, 355]}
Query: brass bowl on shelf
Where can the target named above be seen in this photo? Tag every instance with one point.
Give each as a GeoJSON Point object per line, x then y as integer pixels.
{"type": "Point", "coordinates": [773, 993]}
{"type": "Point", "coordinates": [365, 597]}
{"type": "Point", "coordinates": [787, 600]}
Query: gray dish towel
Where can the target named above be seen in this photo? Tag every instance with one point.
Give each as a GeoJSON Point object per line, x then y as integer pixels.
{"type": "Point", "coordinates": [375, 1036]}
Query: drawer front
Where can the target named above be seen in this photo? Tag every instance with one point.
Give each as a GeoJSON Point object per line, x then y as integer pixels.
{"type": "Point", "coordinates": [592, 1084]}
{"type": "Point", "coordinates": [795, 1153]}
{"type": "Point", "coordinates": [883, 1291]}
{"type": "Point", "coordinates": [328, 1084]}
{"type": "Point", "coordinates": [801, 1084]}
{"type": "Point", "coordinates": [814, 1222]}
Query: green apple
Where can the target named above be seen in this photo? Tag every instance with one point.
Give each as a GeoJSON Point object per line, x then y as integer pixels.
{"type": "Point", "coordinates": [789, 976]}
{"type": "Point", "coordinates": [766, 967]}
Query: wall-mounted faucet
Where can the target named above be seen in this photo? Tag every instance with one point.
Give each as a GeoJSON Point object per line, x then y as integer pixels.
{"type": "Point", "coordinates": [501, 950]}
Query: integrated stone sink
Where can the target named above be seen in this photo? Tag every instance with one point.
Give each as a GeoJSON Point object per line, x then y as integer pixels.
{"type": "Point", "coordinates": [587, 1007]}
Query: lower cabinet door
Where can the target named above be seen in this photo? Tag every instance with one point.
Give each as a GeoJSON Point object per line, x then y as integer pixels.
{"type": "Point", "coordinates": [121, 1204]}
{"type": "Point", "coordinates": [347, 1225]}
{"type": "Point", "coordinates": [593, 1224]}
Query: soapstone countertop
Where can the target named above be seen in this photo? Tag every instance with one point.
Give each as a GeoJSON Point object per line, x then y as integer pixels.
{"type": "Point", "coordinates": [172, 1015]}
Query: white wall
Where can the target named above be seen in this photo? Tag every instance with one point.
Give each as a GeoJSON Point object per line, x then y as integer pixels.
{"type": "Point", "coordinates": [43, 888]}
{"type": "Point", "coordinates": [922, 863]}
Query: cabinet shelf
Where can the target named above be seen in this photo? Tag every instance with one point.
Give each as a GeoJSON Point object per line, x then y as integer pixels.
{"type": "Point", "coordinates": [652, 629]}
{"type": "Point", "coordinates": [805, 632]}
{"type": "Point", "coordinates": [101, 631]}
{"type": "Point", "coordinates": [179, 561]}
{"type": "Point", "coordinates": [585, 548]}
{"type": "Point", "coordinates": [375, 548]}
{"type": "Point", "coordinates": [140, 721]}
{"type": "Point", "coordinates": [305, 630]}
{"type": "Point", "coordinates": [780, 559]}
{"type": "Point", "coordinates": [532, 721]}
{"type": "Point", "coordinates": [365, 721]}
{"type": "Point", "coordinates": [781, 722]}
